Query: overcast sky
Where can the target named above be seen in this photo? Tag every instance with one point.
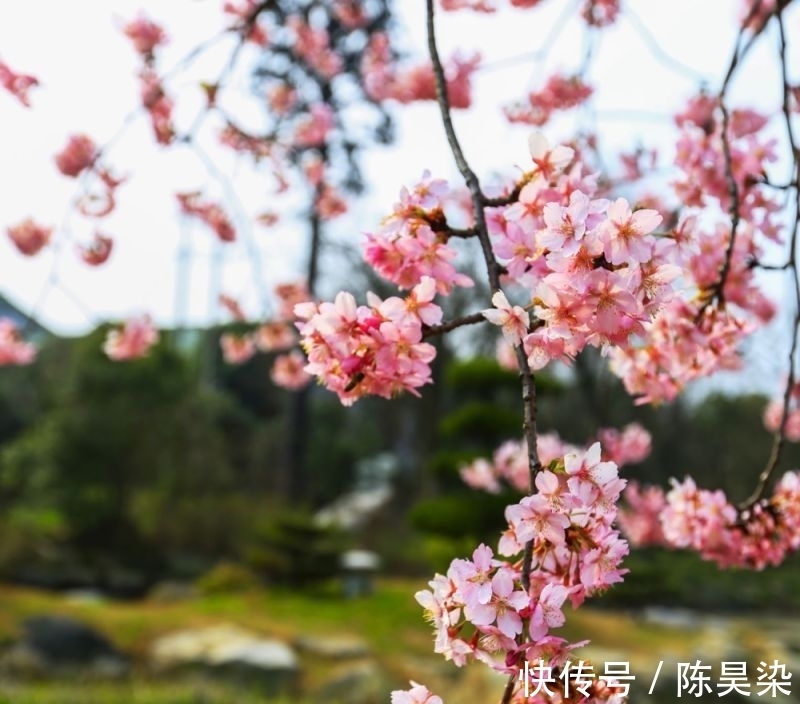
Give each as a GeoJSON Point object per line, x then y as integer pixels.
{"type": "Point", "coordinates": [87, 69]}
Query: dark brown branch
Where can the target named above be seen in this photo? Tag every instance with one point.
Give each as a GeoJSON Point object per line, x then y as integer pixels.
{"type": "Point", "coordinates": [755, 264]}
{"type": "Point", "coordinates": [473, 319]}
{"type": "Point", "coordinates": [478, 199]}
{"type": "Point", "coordinates": [500, 201]}
{"type": "Point", "coordinates": [780, 437]}
{"type": "Point", "coordinates": [479, 202]}
{"type": "Point", "coordinates": [717, 291]}
{"type": "Point", "coordinates": [463, 234]}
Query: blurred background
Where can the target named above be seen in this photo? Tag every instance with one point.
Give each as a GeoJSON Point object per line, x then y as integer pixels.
{"type": "Point", "coordinates": [154, 550]}
{"type": "Point", "coordinates": [176, 530]}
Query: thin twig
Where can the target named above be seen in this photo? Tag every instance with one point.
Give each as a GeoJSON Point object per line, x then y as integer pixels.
{"type": "Point", "coordinates": [780, 437]}
{"type": "Point", "coordinates": [667, 60]}
{"type": "Point", "coordinates": [473, 319]}
{"type": "Point", "coordinates": [717, 291]}
{"type": "Point", "coordinates": [471, 180]}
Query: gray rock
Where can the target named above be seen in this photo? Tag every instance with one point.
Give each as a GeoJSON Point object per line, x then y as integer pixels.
{"type": "Point", "coordinates": [56, 645]}
{"type": "Point", "coordinates": [358, 683]}
{"type": "Point", "coordinates": [228, 650]}
{"type": "Point", "coordinates": [333, 647]}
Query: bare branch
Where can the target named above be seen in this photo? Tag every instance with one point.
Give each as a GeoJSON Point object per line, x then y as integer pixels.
{"type": "Point", "coordinates": [792, 264]}
{"type": "Point", "coordinates": [479, 202]}
{"type": "Point", "coordinates": [473, 319]}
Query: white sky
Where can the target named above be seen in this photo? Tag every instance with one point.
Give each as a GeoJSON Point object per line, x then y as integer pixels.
{"type": "Point", "coordinates": [87, 69]}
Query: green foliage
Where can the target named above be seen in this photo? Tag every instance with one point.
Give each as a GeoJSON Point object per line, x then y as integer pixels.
{"type": "Point", "coordinates": [680, 578]}
{"type": "Point", "coordinates": [454, 515]}
{"type": "Point", "coordinates": [439, 551]}
{"type": "Point", "coordinates": [26, 532]}
{"type": "Point", "coordinates": [483, 410]}
{"type": "Point", "coordinates": [140, 460]}
{"type": "Point", "coordinates": [227, 578]}
{"type": "Point", "coordinates": [288, 547]}
{"type": "Point", "coordinates": [483, 376]}
{"type": "Point", "coordinates": [480, 375]}
{"type": "Point", "coordinates": [480, 422]}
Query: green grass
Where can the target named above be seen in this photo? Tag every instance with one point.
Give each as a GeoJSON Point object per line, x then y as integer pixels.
{"type": "Point", "coordinates": [390, 621]}
{"type": "Point", "coordinates": [277, 612]}
{"type": "Point", "coordinates": [129, 693]}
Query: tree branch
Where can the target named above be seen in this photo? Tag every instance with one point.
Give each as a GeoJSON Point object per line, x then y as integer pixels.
{"type": "Point", "coordinates": [473, 319]}
{"type": "Point", "coordinates": [479, 202]}
{"type": "Point", "coordinates": [780, 437]}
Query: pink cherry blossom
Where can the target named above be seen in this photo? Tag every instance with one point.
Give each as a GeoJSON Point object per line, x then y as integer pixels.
{"type": "Point", "coordinates": [145, 35]}
{"type": "Point", "coordinates": [288, 371]}
{"type": "Point", "coordinates": [18, 84]}
{"type": "Point", "coordinates": [97, 251]}
{"type": "Point", "coordinates": [13, 350]}
{"type": "Point", "coordinates": [77, 156]}
{"type": "Point", "coordinates": [640, 521]}
{"type": "Point", "coordinates": [475, 5]}
{"type": "Point", "coordinates": [503, 608]}
{"type": "Point", "coordinates": [290, 294]}
{"type": "Point", "coordinates": [29, 237]}
{"type": "Point", "coordinates": [375, 349]}
{"type": "Point", "coordinates": [513, 320]}
{"type": "Point", "coordinates": [559, 93]}
{"type": "Point", "coordinates": [418, 694]}
{"type": "Point", "coordinates": [547, 612]}
{"type": "Point", "coordinates": [210, 213]}
{"type": "Point", "coordinates": [132, 340]}
{"type": "Point", "coordinates": [273, 336]}
{"type": "Point", "coordinates": [158, 105]}
{"type": "Point", "coordinates": [623, 233]}
{"type": "Point", "coordinates": [237, 349]}
{"type": "Point", "coordinates": [407, 248]}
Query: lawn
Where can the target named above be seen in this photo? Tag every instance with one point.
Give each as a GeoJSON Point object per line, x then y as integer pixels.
{"type": "Point", "coordinates": [389, 621]}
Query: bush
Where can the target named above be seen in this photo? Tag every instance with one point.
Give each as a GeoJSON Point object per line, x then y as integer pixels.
{"type": "Point", "coordinates": [290, 548]}
{"type": "Point", "coordinates": [228, 578]}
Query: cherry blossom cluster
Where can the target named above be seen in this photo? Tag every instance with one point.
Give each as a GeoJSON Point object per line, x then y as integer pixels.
{"type": "Point", "coordinates": [13, 350]}
{"type": "Point", "coordinates": [559, 93]}
{"type": "Point", "coordinates": [313, 46]}
{"type": "Point", "coordinates": [699, 334]}
{"type": "Point", "coordinates": [210, 213]}
{"type": "Point", "coordinates": [146, 36]}
{"type": "Point", "coordinates": [418, 694]}
{"type": "Point", "coordinates": [762, 533]}
{"type": "Point", "coordinates": [370, 349]}
{"type": "Point", "coordinates": [773, 415]}
{"type": "Point", "coordinates": [247, 23]}
{"type": "Point", "coordinates": [595, 272]}
{"type": "Point", "coordinates": [29, 237]}
{"type": "Point", "coordinates": [706, 170]}
{"type": "Point", "coordinates": [131, 340]}
{"type": "Point", "coordinates": [685, 342]}
{"type": "Point", "coordinates": [410, 244]}
{"type": "Point", "coordinates": [18, 84]}
{"type": "Point", "coordinates": [510, 463]}
{"type": "Point", "coordinates": [640, 517]}
{"type": "Point", "coordinates": [276, 335]}
{"type": "Point", "coordinates": [385, 80]}
{"type": "Point", "coordinates": [596, 13]}
{"type": "Point", "coordinates": [481, 610]}
{"type": "Point", "coordinates": [80, 157]}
